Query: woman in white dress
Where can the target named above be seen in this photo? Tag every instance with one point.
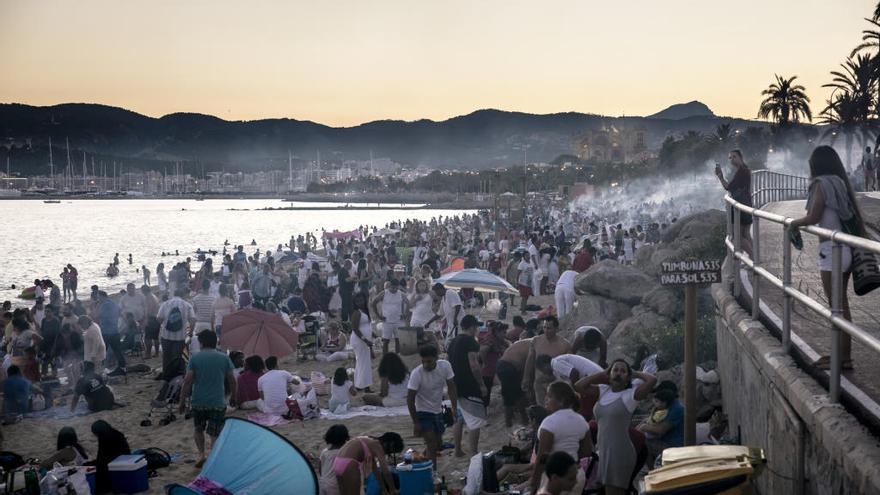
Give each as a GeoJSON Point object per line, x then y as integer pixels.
{"type": "Point", "coordinates": [362, 343]}
{"type": "Point", "coordinates": [422, 303]}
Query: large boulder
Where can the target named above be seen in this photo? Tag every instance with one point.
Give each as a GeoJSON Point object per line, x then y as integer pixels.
{"type": "Point", "coordinates": [634, 333]}
{"type": "Point", "coordinates": [613, 280]}
{"type": "Point", "coordinates": [665, 301]}
{"type": "Point", "coordinates": [598, 311]}
{"type": "Point", "coordinates": [696, 225]}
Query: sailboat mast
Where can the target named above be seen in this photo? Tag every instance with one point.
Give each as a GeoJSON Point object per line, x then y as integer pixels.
{"type": "Point", "coordinates": [51, 166]}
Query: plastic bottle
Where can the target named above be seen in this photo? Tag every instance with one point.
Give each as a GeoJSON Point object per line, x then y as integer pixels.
{"type": "Point", "coordinates": [31, 482]}
{"type": "Point", "coordinates": [442, 490]}
{"type": "Point", "coordinates": [408, 456]}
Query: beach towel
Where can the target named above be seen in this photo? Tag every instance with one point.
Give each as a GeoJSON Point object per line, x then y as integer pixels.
{"type": "Point", "coordinates": [264, 419]}
{"type": "Point", "coordinates": [374, 411]}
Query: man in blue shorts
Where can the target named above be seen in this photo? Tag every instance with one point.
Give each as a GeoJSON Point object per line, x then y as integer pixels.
{"type": "Point", "coordinates": [425, 399]}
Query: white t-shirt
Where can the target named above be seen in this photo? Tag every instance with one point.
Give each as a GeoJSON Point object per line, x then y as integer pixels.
{"type": "Point", "coordinates": [341, 393]}
{"type": "Point", "coordinates": [398, 392]}
{"type": "Point", "coordinates": [186, 312]}
{"type": "Point", "coordinates": [563, 364]}
{"type": "Point", "coordinates": [526, 271]}
{"type": "Point", "coordinates": [607, 396]}
{"type": "Point", "coordinates": [429, 386]}
{"type": "Point", "coordinates": [273, 384]}
{"type": "Point", "coordinates": [568, 429]}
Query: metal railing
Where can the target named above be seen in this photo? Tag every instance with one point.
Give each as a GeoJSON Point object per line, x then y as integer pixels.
{"type": "Point", "coordinates": [768, 187]}
{"type": "Point", "coordinates": [789, 189]}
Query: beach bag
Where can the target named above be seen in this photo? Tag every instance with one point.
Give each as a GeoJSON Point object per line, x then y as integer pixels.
{"type": "Point", "coordinates": [293, 412]}
{"type": "Point", "coordinates": [69, 480]}
{"type": "Point", "coordinates": [308, 404]}
{"type": "Point", "coordinates": [865, 271]}
{"type": "Point", "coordinates": [320, 383]}
{"type": "Point", "coordinates": [864, 267]}
{"type": "Point", "coordinates": [174, 323]}
{"type": "Point", "coordinates": [590, 465]}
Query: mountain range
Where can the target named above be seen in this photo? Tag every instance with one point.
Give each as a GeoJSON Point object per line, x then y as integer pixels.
{"type": "Point", "coordinates": [482, 139]}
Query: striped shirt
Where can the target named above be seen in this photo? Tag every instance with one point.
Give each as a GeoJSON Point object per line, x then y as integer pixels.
{"type": "Point", "coordinates": [203, 305]}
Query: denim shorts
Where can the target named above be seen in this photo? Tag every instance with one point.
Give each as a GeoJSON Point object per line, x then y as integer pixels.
{"type": "Point", "coordinates": [431, 422]}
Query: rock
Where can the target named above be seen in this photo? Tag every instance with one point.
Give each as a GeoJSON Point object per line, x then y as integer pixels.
{"type": "Point", "coordinates": [633, 334]}
{"type": "Point", "coordinates": [665, 301]}
{"type": "Point", "coordinates": [600, 312]}
{"type": "Point", "coordinates": [696, 225]}
{"type": "Point", "coordinates": [615, 281]}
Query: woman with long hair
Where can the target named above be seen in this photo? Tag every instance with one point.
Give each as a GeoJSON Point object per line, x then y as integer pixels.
{"type": "Point", "coordinates": [564, 430]}
{"type": "Point", "coordinates": [831, 203]}
{"type": "Point", "coordinates": [363, 276]}
{"type": "Point", "coordinates": [394, 377]}
{"type": "Point", "coordinates": [362, 342]}
{"type": "Point", "coordinates": [615, 404]}
{"type": "Point", "coordinates": [111, 444]}
{"type": "Point", "coordinates": [67, 450]}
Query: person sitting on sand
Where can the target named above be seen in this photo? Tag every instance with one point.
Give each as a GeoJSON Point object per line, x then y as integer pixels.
{"type": "Point", "coordinates": [536, 415]}
{"type": "Point", "coordinates": [16, 393]}
{"type": "Point", "coordinates": [111, 444]}
{"type": "Point", "coordinates": [98, 395]}
{"type": "Point", "coordinates": [393, 376]}
{"type": "Point", "coordinates": [333, 348]}
{"type": "Point", "coordinates": [561, 473]}
{"type": "Point", "coordinates": [68, 450]}
{"type": "Point", "coordinates": [341, 390]}
{"type": "Point", "coordinates": [247, 394]}
{"type": "Point", "coordinates": [362, 455]}
{"type": "Point", "coordinates": [274, 387]}
{"type": "Point", "coordinates": [335, 438]}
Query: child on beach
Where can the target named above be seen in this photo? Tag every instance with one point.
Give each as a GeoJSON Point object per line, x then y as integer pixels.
{"type": "Point", "coordinates": [341, 390]}
{"type": "Point", "coordinates": [335, 438]}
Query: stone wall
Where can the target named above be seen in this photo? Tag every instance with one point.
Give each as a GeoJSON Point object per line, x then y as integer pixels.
{"type": "Point", "coordinates": [779, 408]}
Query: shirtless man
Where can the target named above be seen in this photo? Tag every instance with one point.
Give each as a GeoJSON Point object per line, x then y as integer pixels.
{"type": "Point", "coordinates": [510, 375]}
{"type": "Point", "coordinates": [551, 344]}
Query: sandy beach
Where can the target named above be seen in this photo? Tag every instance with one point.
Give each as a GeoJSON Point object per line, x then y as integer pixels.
{"type": "Point", "coordinates": [36, 437]}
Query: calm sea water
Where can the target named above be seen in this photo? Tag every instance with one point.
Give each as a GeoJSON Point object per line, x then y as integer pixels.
{"type": "Point", "coordinates": [39, 239]}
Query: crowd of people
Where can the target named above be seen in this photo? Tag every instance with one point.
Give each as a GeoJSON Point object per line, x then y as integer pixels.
{"type": "Point", "coordinates": [365, 285]}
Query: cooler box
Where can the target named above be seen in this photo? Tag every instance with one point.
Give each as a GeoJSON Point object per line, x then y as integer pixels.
{"type": "Point", "coordinates": [416, 479]}
{"type": "Point", "coordinates": [128, 474]}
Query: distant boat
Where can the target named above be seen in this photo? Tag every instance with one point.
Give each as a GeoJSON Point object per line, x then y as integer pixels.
{"type": "Point", "coordinates": [51, 201]}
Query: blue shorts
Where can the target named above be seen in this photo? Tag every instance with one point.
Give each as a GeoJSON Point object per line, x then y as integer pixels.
{"type": "Point", "coordinates": [431, 422]}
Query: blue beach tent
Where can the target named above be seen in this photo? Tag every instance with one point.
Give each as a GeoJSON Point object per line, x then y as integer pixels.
{"type": "Point", "coordinates": [251, 459]}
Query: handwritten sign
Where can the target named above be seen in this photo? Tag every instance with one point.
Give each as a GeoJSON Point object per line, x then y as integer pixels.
{"type": "Point", "coordinates": [690, 272]}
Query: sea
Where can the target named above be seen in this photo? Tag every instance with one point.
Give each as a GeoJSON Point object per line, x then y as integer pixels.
{"type": "Point", "coordinates": [39, 239]}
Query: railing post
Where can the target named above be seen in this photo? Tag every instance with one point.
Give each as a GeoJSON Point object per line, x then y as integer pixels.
{"type": "Point", "coordinates": [836, 303]}
{"type": "Point", "coordinates": [737, 247]}
{"type": "Point", "coordinates": [756, 259]}
{"type": "Point", "coordinates": [786, 283]}
{"type": "Point", "coordinates": [731, 266]}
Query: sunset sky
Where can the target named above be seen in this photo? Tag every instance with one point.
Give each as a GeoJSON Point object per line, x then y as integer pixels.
{"type": "Point", "coordinates": [344, 62]}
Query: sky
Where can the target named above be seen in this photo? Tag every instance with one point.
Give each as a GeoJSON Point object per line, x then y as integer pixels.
{"type": "Point", "coordinates": [345, 62]}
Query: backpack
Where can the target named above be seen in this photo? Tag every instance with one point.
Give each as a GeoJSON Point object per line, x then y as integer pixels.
{"type": "Point", "coordinates": [10, 461]}
{"type": "Point", "coordinates": [174, 323]}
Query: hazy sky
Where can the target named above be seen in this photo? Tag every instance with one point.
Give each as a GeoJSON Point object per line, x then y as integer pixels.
{"type": "Point", "coordinates": [343, 62]}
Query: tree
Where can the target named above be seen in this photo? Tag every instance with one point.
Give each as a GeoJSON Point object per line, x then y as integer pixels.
{"type": "Point", "coordinates": [844, 116]}
{"type": "Point", "coordinates": [785, 102]}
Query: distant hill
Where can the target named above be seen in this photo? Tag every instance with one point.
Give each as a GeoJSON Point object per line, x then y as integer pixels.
{"type": "Point", "coordinates": [683, 111]}
{"type": "Point", "coordinates": [482, 139]}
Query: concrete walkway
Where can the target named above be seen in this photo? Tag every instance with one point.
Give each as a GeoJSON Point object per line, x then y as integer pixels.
{"type": "Point", "coordinates": [811, 334]}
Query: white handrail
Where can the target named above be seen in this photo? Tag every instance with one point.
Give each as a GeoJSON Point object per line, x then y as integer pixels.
{"type": "Point", "coordinates": [770, 187]}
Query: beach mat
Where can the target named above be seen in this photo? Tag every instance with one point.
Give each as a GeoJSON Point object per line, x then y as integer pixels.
{"type": "Point", "coordinates": [374, 411]}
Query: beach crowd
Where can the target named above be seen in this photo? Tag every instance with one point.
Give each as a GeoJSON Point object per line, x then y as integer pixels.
{"type": "Point", "coordinates": [353, 294]}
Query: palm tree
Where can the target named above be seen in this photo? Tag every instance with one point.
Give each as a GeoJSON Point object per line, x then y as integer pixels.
{"type": "Point", "coordinates": [786, 102]}
{"type": "Point", "coordinates": [857, 78]}
{"type": "Point", "coordinates": [723, 133]}
{"type": "Point", "coordinates": [844, 115]}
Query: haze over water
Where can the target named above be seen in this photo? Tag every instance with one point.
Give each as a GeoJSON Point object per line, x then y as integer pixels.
{"type": "Point", "coordinates": [87, 233]}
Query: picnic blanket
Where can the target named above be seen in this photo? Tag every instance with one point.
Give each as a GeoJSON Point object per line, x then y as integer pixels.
{"type": "Point", "coordinates": [377, 412]}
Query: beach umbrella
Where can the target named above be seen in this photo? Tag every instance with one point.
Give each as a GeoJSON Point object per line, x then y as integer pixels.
{"type": "Point", "coordinates": [472, 278]}
{"type": "Point", "coordinates": [253, 331]}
